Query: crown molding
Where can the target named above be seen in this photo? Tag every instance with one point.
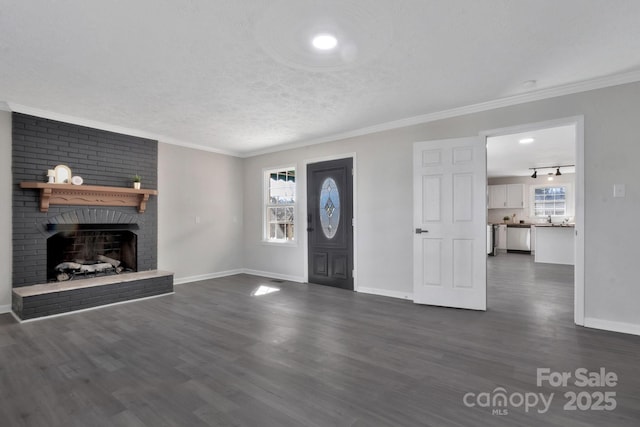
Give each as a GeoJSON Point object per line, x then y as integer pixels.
{"type": "Point", "coordinates": [45, 114]}
{"type": "Point", "coordinates": [584, 86]}
{"type": "Point", "coordinates": [538, 95]}
{"type": "Point", "coordinates": [184, 144]}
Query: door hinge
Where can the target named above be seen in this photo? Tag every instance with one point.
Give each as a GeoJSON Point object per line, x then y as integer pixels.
{"type": "Point", "coordinates": [352, 172]}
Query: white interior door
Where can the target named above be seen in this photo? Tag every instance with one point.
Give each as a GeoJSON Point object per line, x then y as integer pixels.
{"type": "Point", "coordinates": [450, 218]}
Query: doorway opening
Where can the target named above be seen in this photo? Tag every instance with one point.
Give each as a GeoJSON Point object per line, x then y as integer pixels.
{"type": "Point", "coordinates": [535, 217]}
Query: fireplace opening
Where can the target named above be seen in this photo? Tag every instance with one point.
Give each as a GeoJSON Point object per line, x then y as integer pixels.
{"type": "Point", "coordinates": [87, 250]}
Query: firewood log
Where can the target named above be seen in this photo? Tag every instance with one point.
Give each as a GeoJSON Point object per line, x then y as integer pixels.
{"type": "Point", "coordinates": [114, 262]}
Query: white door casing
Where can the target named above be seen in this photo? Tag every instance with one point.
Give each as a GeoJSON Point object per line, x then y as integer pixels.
{"type": "Point", "coordinates": [450, 196]}
{"type": "Point", "coordinates": [579, 280]}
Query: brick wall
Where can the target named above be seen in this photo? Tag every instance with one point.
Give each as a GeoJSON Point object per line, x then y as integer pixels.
{"type": "Point", "coordinates": [100, 158]}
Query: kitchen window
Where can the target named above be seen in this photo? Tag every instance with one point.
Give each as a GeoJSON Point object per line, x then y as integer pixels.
{"type": "Point", "coordinates": [550, 201]}
{"type": "Point", "coordinates": [280, 205]}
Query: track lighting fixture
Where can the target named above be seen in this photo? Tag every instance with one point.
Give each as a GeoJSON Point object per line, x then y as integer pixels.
{"type": "Point", "coordinates": [557, 168]}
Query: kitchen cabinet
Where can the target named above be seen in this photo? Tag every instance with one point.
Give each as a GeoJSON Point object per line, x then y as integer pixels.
{"type": "Point", "coordinates": [507, 196]}
{"type": "Point", "coordinates": [515, 196]}
{"type": "Point", "coordinates": [497, 196]}
{"type": "Point", "coordinates": [533, 240]}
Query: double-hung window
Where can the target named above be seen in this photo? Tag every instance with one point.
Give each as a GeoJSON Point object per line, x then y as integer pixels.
{"type": "Point", "coordinates": [280, 205]}
{"type": "Point", "coordinates": [550, 201]}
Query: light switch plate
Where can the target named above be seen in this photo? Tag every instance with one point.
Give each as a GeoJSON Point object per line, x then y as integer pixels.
{"type": "Point", "coordinates": [619, 190]}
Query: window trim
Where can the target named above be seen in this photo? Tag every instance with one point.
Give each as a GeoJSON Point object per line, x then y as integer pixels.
{"type": "Point", "coordinates": [569, 200]}
{"type": "Point", "coordinates": [266, 172]}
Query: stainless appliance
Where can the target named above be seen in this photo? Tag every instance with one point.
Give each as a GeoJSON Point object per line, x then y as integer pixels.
{"type": "Point", "coordinates": [519, 238]}
{"type": "Point", "coordinates": [492, 240]}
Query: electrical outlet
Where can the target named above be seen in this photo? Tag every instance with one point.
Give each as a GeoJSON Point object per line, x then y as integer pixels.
{"type": "Point", "coordinates": [619, 190]}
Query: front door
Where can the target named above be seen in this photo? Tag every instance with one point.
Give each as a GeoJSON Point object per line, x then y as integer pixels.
{"type": "Point", "coordinates": [330, 223]}
{"type": "Point", "coordinates": [449, 196]}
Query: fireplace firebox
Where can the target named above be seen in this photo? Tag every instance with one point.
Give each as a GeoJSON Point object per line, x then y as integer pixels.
{"type": "Point", "coordinates": [88, 250]}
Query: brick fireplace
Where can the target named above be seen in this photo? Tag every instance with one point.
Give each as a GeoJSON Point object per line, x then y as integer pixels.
{"type": "Point", "coordinates": [44, 239]}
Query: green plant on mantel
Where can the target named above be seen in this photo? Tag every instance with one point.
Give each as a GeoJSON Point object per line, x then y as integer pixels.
{"type": "Point", "coordinates": [137, 178]}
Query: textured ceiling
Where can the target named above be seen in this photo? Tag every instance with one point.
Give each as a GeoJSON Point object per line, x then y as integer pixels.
{"type": "Point", "coordinates": [238, 76]}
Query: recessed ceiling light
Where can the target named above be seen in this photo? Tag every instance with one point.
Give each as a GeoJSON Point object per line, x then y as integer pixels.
{"type": "Point", "coordinates": [324, 42]}
{"type": "Point", "coordinates": [526, 140]}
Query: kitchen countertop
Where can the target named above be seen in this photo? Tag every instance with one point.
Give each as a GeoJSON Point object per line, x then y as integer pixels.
{"type": "Point", "coordinates": [511, 224]}
{"type": "Point", "coordinates": [531, 224]}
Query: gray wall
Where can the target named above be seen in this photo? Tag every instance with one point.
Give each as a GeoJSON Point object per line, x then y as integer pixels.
{"type": "Point", "coordinates": [196, 185]}
{"type": "Point", "coordinates": [5, 211]}
{"type": "Point", "coordinates": [384, 196]}
{"type": "Point", "coordinates": [384, 242]}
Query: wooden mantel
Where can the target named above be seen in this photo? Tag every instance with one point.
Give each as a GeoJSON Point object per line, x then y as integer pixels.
{"type": "Point", "coordinates": [89, 195]}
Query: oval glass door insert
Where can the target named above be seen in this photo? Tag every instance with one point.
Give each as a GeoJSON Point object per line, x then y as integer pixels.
{"type": "Point", "coordinates": [329, 208]}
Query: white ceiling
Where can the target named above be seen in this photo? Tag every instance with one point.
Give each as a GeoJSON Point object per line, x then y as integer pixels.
{"type": "Point", "coordinates": [556, 146]}
{"type": "Point", "coordinates": [238, 76]}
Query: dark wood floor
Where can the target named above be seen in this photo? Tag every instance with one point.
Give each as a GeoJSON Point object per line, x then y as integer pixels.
{"type": "Point", "coordinates": [213, 354]}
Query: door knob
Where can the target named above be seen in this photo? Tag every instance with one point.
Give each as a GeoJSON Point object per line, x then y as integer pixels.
{"type": "Point", "coordinates": [420, 230]}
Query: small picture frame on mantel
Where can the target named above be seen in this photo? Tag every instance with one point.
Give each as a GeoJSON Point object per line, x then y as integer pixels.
{"type": "Point", "coordinates": [62, 174]}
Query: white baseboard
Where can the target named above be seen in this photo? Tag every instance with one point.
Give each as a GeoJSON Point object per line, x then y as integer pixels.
{"type": "Point", "coordinates": [274, 275]}
{"type": "Point", "coordinates": [208, 276]}
{"type": "Point", "coordinates": [297, 279]}
{"type": "Point", "coordinates": [386, 293]}
{"type": "Point", "coordinates": [198, 278]}
{"type": "Point", "coordinates": [5, 309]}
{"type": "Point", "coordinates": [608, 325]}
